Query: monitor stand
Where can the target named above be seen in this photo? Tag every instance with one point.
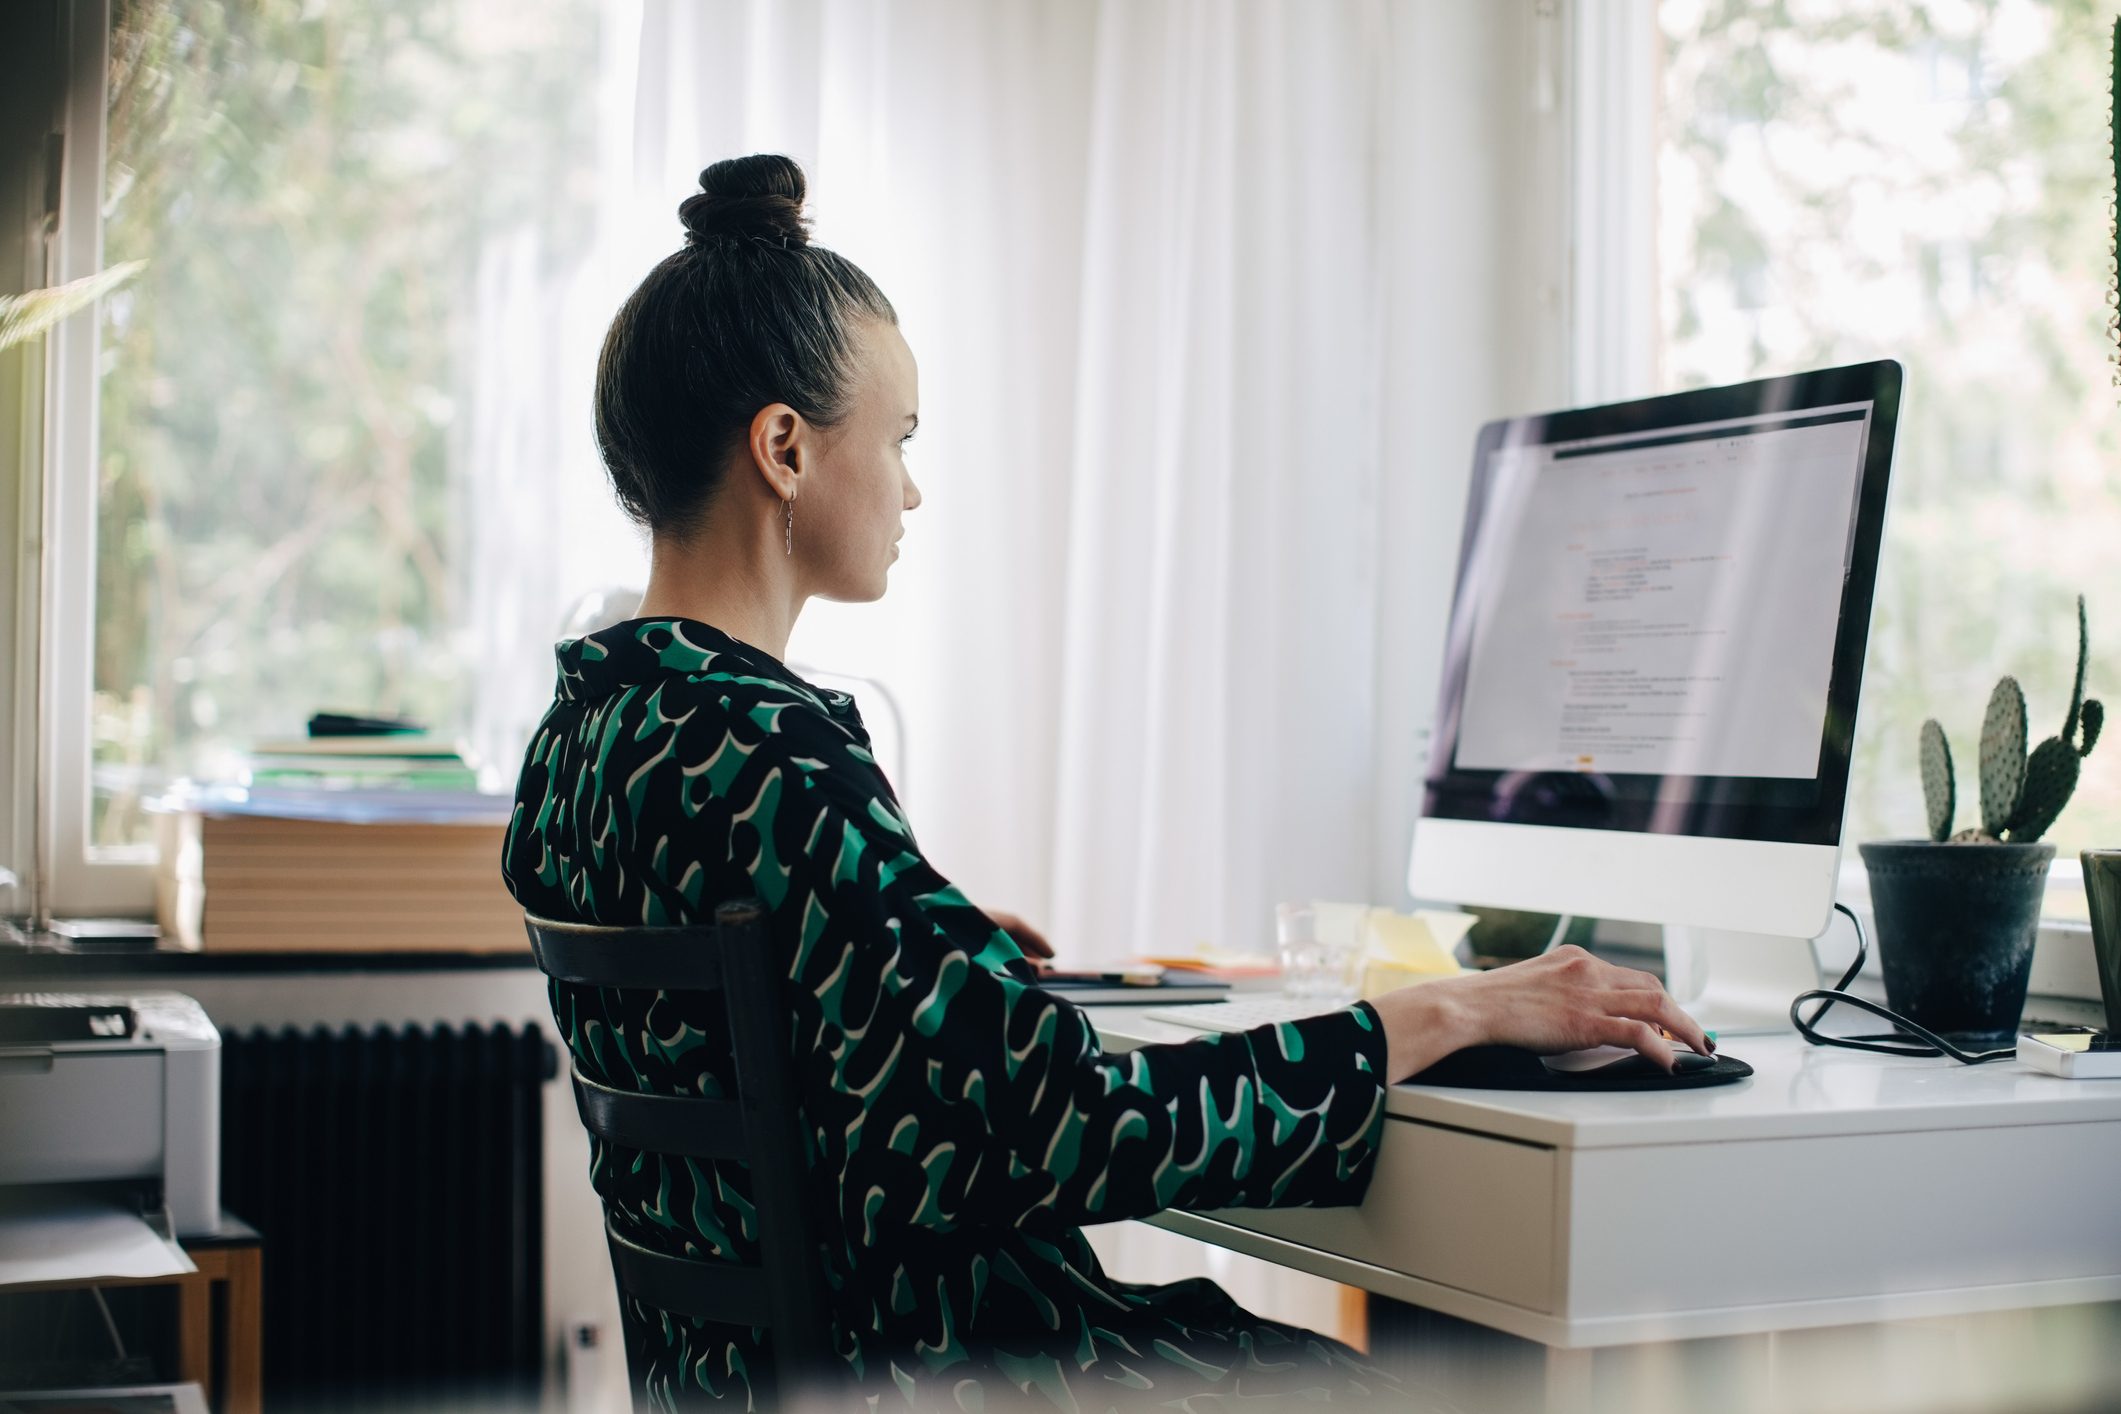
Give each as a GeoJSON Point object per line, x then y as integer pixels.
{"type": "Point", "coordinates": [1738, 984]}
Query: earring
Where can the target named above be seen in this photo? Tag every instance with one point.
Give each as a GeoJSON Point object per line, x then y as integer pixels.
{"type": "Point", "coordinates": [791, 522]}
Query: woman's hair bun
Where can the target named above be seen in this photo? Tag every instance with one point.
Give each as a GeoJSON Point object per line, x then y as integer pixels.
{"type": "Point", "coordinates": [758, 197]}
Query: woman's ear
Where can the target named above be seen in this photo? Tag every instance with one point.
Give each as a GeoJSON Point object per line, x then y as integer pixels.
{"type": "Point", "coordinates": [776, 447]}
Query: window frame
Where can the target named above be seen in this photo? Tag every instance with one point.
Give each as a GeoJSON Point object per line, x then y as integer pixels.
{"type": "Point", "coordinates": [1615, 74]}
{"type": "Point", "coordinates": [75, 877]}
{"type": "Point", "coordinates": [31, 64]}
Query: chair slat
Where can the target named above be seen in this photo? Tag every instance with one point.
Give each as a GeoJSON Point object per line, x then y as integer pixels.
{"type": "Point", "coordinates": [689, 1286]}
{"type": "Point", "coordinates": [662, 1124]}
{"type": "Point", "coordinates": [657, 959]}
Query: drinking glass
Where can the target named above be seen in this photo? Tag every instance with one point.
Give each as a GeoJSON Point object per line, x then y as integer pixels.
{"type": "Point", "coordinates": [1312, 967]}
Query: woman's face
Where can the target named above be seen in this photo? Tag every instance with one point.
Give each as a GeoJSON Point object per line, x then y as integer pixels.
{"type": "Point", "coordinates": [848, 514]}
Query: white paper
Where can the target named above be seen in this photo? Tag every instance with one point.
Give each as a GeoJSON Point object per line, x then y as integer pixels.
{"type": "Point", "coordinates": [70, 1237]}
{"type": "Point", "coordinates": [1664, 605]}
{"type": "Point", "coordinates": [108, 1399]}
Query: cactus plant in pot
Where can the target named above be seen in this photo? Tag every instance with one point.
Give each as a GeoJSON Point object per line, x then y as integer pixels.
{"type": "Point", "coordinates": [1957, 913]}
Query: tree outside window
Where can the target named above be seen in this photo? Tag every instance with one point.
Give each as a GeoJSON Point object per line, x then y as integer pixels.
{"type": "Point", "coordinates": [317, 190]}
{"type": "Point", "coordinates": [1926, 180]}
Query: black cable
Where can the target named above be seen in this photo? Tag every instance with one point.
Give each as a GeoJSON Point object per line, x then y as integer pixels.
{"type": "Point", "coordinates": [1889, 1044]}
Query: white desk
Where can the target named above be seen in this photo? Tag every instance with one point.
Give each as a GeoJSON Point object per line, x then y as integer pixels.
{"type": "Point", "coordinates": [1830, 1189]}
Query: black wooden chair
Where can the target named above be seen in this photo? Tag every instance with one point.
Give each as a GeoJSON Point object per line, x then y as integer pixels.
{"type": "Point", "coordinates": [760, 1128]}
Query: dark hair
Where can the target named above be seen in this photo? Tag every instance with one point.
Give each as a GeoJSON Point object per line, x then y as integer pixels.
{"type": "Point", "coordinates": [747, 314]}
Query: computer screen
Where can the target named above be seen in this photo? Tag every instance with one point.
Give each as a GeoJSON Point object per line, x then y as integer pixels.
{"type": "Point", "coordinates": [1660, 620]}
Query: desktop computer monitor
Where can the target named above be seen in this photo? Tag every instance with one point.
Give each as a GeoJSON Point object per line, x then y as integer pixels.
{"type": "Point", "coordinates": [1655, 654]}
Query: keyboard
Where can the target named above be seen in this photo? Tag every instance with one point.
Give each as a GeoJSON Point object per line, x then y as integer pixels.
{"type": "Point", "coordinates": [1244, 1014]}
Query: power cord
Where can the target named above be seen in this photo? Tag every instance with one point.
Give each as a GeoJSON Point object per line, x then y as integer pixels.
{"type": "Point", "coordinates": [108, 1324]}
{"type": "Point", "coordinates": [1889, 1043]}
{"type": "Point", "coordinates": [1562, 924]}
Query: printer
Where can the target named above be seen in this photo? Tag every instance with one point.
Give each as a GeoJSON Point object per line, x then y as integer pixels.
{"type": "Point", "coordinates": [114, 1089]}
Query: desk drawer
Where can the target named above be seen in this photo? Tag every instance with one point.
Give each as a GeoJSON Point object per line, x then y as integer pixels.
{"type": "Point", "coordinates": [1464, 1210]}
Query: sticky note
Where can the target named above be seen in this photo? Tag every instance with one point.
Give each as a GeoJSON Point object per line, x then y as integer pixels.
{"type": "Point", "coordinates": [1421, 942]}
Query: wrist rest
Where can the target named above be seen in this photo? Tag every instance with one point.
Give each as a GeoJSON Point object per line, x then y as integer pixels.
{"type": "Point", "coordinates": [1513, 1068]}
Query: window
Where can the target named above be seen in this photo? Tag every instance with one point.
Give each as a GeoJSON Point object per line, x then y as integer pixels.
{"type": "Point", "coordinates": [303, 399]}
{"type": "Point", "coordinates": [1929, 182]}
{"type": "Point", "coordinates": [332, 448]}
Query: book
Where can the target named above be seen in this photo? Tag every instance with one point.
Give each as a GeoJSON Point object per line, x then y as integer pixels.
{"type": "Point", "coordinates": [412, 745]}
{"type": "Point", "coordinates": [336, 773]}
{"type": "Point", "coordinates": [1163, 992]}
{"type": "Point", "coordinates": [403, 761]}
{"type": "Point", "coordinates": [395, 874]}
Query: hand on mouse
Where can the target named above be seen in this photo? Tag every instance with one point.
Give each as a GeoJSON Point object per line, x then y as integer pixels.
{"type": "Point", "coordinates": [1564, 1000]}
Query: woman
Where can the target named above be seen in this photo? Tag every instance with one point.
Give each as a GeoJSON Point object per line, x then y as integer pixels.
{"type": "Point", "coordinates": [753, 404]}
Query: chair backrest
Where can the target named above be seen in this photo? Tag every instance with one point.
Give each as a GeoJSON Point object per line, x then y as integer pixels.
{"type": "Point", "coordinates": [732, 960]}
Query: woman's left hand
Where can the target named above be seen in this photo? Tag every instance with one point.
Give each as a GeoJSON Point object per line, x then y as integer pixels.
{"type": "Point", "coordinates": [1027, 937]}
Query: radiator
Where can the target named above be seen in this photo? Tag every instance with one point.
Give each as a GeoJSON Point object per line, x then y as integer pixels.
{"type": "Point", "coordinates": [395, 1175]}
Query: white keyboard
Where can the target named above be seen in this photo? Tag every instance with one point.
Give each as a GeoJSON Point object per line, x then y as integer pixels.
{"type": "Point", "coordinates": [1242, 1015]}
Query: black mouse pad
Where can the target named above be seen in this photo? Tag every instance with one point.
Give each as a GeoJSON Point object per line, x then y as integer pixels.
{"type": "Point", "coordinates": [1509, 1068]}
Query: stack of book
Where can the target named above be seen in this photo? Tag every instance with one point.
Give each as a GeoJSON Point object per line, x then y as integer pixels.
{"type": "Point", "coordinates": [358, 844]}
{"type": "Point", "coordinates": [401, 761]}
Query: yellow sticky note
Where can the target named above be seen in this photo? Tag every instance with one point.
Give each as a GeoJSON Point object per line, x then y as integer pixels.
{"type": "Point", "coordinates": [1405, 948]}
{"type": "Point", "coordinates": [1418, 942]}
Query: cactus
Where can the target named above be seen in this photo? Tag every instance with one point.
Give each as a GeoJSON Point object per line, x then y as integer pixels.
{"type": "Point", "coordinates": [2050, 776]}
{"type": "Point", "coordinates": [2003, 762]}
{"type": "Point", "coordinates": [2051, 771]}
{"type": "Point", "coordinates": [2076, 691]}
{"type": "Point", "coordinates": [1938, 791]}
{"type": "Point", "coordinates": [2022, 794]}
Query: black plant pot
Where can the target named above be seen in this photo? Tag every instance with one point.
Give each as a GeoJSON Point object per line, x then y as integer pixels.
{"type": "Point", "coordinates": [1956, 924]}
{"type": "Point", "coordinates": [2102, 887]}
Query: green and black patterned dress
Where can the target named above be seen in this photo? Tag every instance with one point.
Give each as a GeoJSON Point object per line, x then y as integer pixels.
{"type": "Point", "coordinates": [965, 1123]}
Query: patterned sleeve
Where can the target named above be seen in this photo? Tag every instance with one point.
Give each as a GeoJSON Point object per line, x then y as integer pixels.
{"type": "Point", "coordinates": [945, 1090]}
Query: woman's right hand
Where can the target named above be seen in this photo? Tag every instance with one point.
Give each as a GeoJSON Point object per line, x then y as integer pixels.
{"type": "Point", "coordinates": [1564, 1000]}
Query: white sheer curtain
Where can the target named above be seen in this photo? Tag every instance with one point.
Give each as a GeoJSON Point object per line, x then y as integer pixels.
{"type": "Point", "coordinates": [1205, 295]}
{"type": "Point", "coordinates": [1209, 297]}
{"type": "Point", "coordinates": [539, 526]}
{"type": "Point", "coordinates": [1218, 599]}
{"type": "Point", "coordinates": [1134, 247]}
{"type": "Point", "coordinates": [944, 143]}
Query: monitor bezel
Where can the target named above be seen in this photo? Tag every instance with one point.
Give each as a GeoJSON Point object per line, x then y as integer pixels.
{"type": "Point", "coordinates": [1784, 811]}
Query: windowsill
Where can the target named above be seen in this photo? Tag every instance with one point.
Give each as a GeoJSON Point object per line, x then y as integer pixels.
{"type": "Point", "coordinates": [2065, 975]}
{"type": "Point", "coordinates": [45, 959]}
